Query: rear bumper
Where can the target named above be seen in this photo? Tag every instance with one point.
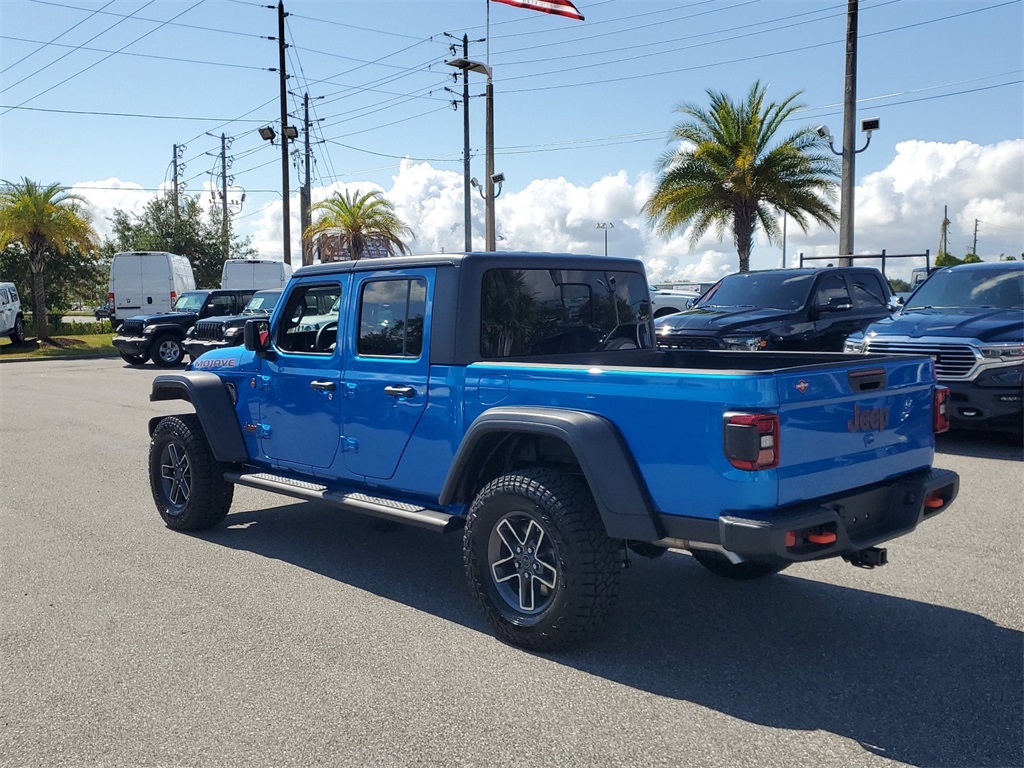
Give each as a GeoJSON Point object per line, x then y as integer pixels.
{"type": "Point", "coordinates": [842, 524]}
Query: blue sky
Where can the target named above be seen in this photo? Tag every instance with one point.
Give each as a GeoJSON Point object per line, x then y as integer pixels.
{"type": "Point", "coordinates": [96, 94]}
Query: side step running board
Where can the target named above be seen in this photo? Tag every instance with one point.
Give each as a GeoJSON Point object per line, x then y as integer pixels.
{"type": "Point", "coordinates": [441, 522]}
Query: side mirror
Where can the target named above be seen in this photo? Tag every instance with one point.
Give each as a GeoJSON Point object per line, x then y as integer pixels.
{"type": "Point", "coordinates": [690, 303]}
{"type": "Point", "coordinates": [256, 335]}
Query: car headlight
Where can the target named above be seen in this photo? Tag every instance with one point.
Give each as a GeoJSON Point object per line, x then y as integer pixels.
{"type": "Point", "coordinates": [233, 331]}
{"type": "Point", "coordinates": [149, 330]}
{"type": "Point", "coordinates": [749, 343]}
{"type": "Point", "coordinates": [1009, 352]}
{"type": "Point", "coordinates": [855, 344]}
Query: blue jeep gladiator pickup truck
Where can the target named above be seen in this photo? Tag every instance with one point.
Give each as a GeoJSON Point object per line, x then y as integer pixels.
{"type": "Point", "coordinates": [520, 398]}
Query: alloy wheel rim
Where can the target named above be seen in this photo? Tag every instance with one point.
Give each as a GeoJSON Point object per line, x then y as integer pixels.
{"type": "Point", "coordinates": [523, 563]}
{"type": "Point", "coordinates": [175, 477]}
{"type": "Point", "coordinates": [169, 351]}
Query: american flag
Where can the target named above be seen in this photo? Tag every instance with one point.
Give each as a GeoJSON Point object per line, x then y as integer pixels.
{"type": "Point", "coordinates": [557, 7]}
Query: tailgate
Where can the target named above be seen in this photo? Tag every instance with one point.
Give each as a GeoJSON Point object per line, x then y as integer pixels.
{"type": "Point", "coordinates": [851, 425]}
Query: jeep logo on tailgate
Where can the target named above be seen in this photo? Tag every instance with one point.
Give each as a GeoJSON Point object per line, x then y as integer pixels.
{"type": "Point", "coordinates": [873, 419]}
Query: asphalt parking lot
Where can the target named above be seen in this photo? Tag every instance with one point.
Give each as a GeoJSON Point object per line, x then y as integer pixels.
{"type": "Point", "coordinates": [297, 635]}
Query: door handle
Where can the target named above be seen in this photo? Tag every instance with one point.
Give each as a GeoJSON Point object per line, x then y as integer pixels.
{"type": "Point", "coordinates": [399, 391]}
{"type": "Point", "coordinates": [323, 386]}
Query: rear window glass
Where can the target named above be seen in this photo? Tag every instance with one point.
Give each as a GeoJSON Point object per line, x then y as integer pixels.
{"type": "Point", "coordinates": [548, 311]}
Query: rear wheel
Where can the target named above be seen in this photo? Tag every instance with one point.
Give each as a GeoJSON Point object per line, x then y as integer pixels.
{"type": "Point", "coordinates": [538, 560]}
{"type": "Point", "coordinates": [720, 565]}
{"type": "Point", "coordinates": [167, 350]}
{"type": "Point", "coordinates": [187, 482]}
{"type": "Point", "coordinates": [18, 332]}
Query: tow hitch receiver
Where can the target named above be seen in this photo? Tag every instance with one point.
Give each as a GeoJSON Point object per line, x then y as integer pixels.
{"type": "Point", "coordinates": [871, 557]}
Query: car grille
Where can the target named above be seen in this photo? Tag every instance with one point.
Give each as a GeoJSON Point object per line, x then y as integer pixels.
{"type": "Point", "coordinates": [952, 361]}
{"type": "Point", "coordinates": [208, 331]}
{"type": "Point", "coordinates": [132, 327]}
{"type": "Point", "coordinates": [683, 341]}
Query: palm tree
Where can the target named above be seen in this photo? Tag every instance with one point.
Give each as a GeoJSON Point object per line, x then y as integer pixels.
{"type": "Point", "coordinates": [725, 174]}
{"type": "Point", "coordinates": [45, 221]}
{"type": "Point", "coordinates": [361, 221]}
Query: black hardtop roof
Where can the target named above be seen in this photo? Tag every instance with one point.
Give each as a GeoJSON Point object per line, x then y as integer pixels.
{"type": "Point", "coordinates": [479, 260]}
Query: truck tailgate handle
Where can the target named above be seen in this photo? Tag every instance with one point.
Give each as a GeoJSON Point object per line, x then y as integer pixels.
{"type": "Point", "coordinates": [396, 390]}
{"type": "Point", "coordinates": [867, 380]}
{"type": "Point", "coordinates": [323, 386]}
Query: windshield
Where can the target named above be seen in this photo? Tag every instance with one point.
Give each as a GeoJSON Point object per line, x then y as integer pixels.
{"type": "Point", "coordinates": [981, 288]}
{"type": "Point", "coordinates": [776, 290]}
{"type": "Point", "coordinates": [190, 302]}
{"type": "Point", "coordinates": [262, 303]}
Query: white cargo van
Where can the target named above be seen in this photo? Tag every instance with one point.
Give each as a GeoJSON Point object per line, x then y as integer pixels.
{"type": "Point", "coordinates": [147, 282]}
{"type": "Point", "coordinates": [254, 274]}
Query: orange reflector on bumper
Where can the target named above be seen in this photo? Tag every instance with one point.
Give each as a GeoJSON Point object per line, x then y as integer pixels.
{"type": "Point", "coordinates": [822, 538]}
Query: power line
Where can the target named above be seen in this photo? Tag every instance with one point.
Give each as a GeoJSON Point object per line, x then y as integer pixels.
{"type": "Point", "coordinates": [53, 40]}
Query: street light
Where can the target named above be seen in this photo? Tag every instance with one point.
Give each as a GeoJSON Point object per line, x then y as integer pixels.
{"type": "Point", "coordinates": [267, 133]}
{"type": "Point", "coordinates": [605, 225]}
{"type": "Point", "coordinates": [867, 125]}
{"type": "Point", "coordinates": [491, 178]}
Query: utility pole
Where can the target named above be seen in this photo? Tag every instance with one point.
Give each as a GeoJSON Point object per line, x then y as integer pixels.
{"type": "Point", "coordinates": [285, 191]}
{"type": "Point", "coordinates": [467, 209]}
{"type": "Point", "coordinates": [224, 193]}
{"type": "Point", "coordinates": [974, 248]}
{"type": "Point", "coordinates": [174, 194]}
{"type": "Point", "coordinates": [847, 185]}
{"type": "Point", "coordinates": [305, 212]}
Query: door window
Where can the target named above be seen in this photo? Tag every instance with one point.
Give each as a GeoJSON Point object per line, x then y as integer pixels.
{"type": "Point", "coordinates": [831, 290]}
{"type": "Point", "coordinates": [309, 322]}
{"type": "Point", "coordinates": [221, 305]}
{"type": "Point", "coordinates": [391, 318]}
{"type": "Point", "coordinates": [868, 292]}
{"type": "Point", "coordinates": [4, 297]}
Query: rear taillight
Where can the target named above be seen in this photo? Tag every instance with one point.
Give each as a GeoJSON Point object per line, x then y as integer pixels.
{"type": "Point", "coordinates": [940, 415]}
{"type": "Point", "coordinates": [751, 440]}
{"type": "Point", "coordinates": [110, 298]}
{"type": "Point", "coordinates": [174, 297]}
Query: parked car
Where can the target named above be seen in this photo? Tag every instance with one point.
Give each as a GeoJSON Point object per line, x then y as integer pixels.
{"type": "Point", "coordinates": [12, 321]}
{"type": "Point", "coordinates": [669, 299]}
{"type": "Point", "coordinates": [161, 337]}
{"type": "Point", "coordinates": [970, 319]}
{"type": "Point", "coordinates": [255, 274]}
{"type": "Point", "coordinates": [785, 309]}
{"type": "Point", "coordinates": [102, 312]}
{"type": "Point", "coordinates": [146, 282]}
{"type": "Point", "coordinates": [218, 332]}
{"type": "Point", "coordinates": [519, 400]}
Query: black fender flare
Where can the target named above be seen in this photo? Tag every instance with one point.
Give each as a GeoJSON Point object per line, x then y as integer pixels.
{"type": "Point", "coordinates": [213, 406]}
{"type": "Point", "coordinates": [608, 466]}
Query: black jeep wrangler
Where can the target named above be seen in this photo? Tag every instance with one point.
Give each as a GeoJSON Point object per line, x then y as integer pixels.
{"type": "Point", "coordinates": [219, 332]}
{"type": "Point", "coordinates": [160, 337]}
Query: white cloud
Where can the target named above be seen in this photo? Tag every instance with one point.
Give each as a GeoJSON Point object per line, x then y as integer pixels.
{"type": "Point", "coordinates": [898, 209]}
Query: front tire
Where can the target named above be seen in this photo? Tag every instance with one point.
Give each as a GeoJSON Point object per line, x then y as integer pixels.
{"type": "Point", "coordinates": [18, 332]}
{"type": "Point", "coordinates": [167, 350]}
{"type": "Point", "coordinates": [187, 482]}
{"type": "Point", "coordinates": [538, 559]}
{"type": "Point", "coordinates": [720, 565]}
{"type": "Point", "coordinates": [132, 359]}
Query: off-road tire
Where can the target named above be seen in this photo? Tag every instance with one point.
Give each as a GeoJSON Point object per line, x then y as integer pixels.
{"type": "Point", "coordinates": [18, 332]}
{"type": "Point", "coordinates": [187, 482]}
{"type": "Point", "coordinates": [167, 351]}
{"type": "Point", "coordinates": [588, 562]}
{"type": "Point", "coordinates": [132, 359]}
{"type": "Point", "coordinates": [721, 566]}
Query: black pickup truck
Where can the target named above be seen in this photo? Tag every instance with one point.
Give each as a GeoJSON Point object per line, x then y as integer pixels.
{"type": "Point", "coordinates": [781, 309]}
{"type": "Point", "coordinates": [160, 337]}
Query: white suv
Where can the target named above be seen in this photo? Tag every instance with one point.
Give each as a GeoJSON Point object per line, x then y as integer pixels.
{"type": "Point", "coordinates": [12, 322]}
